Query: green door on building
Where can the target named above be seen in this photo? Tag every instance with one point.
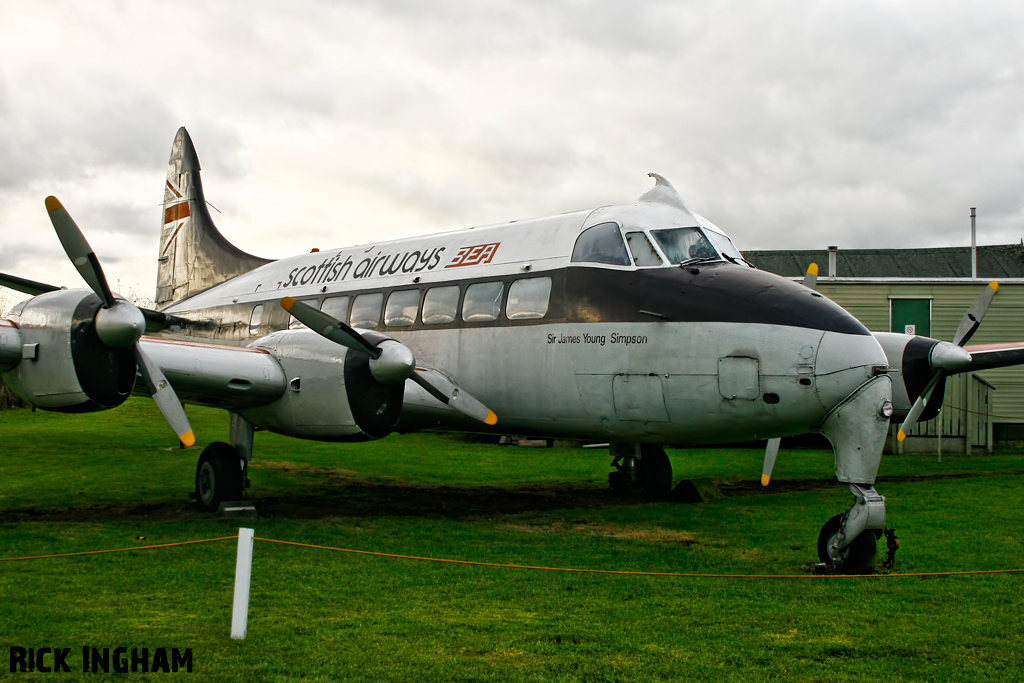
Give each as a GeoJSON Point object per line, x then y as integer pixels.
{"type": "Point", "coordinates": [911, 316]}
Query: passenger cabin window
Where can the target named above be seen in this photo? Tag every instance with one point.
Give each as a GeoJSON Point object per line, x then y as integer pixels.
{"type": "Point", "coordinates": [601, 244]}
{"type": "Point", "coordinates": [293, 322]}
{"type": "Point", "coordinates": [483, 302]}
{"type": "Point", "coordinates": [401, 308]}
{"type": "Point", "coordinates": [255, 320]}
{"type": "Point", "coordinates": [336, 307]}
{"type": "Point", "coordinates": [642, 249]}
{"type": "Point", "coordinates": [366, 310]}
{"type": "Point", "coordinates": [440, 305]}
{"type": "Point", "coordinates": [683, 244]}
{"type": "Point", "coordinates": [528, 298]}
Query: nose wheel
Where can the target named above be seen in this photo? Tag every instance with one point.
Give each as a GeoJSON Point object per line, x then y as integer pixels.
{"type": "Point", "coordinates": [859, 557]}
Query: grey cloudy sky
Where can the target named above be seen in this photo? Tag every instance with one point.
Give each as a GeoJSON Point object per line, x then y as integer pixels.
{"type": "Point", "coordinates": [320, 124]}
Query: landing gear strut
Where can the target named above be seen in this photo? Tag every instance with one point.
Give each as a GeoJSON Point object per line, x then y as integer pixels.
{"type": "Point", "coordinates": [641, 471]}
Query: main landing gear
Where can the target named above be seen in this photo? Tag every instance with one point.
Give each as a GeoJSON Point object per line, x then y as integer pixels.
{"type": "Point", "coordinates": [220, 476]}
{"type": "Point", "coordinates": [641, 471]}
{"type": "Point", "coordinates": [222, 472]}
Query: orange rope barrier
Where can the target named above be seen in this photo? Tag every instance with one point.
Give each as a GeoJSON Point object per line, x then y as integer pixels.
{"type": "Point", "coordinates": [633, 573]}
{"type": "Point", "coordinates": [976, 412]}
{"type": "Point", "coordinates": [522, 566]}
{"type": "Point", "coordinates": [117, 550]}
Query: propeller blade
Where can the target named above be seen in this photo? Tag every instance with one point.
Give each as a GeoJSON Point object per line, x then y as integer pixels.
{"type": "Point", "coordinates": [439, 386]}
{"type": "Point", "coordinates": [919, 405]}
{"type": "Point", "coordinates": [79, 251]}
{"type": "Point", "coordinates": [164, 396]}
{"type": "Point", "coordinates": [811, 276]}
{"type": "Point", "coordinates": [327, 326]}
{"type": "Point", "coordinates": [972, 319]}
{"type": "Point", "coordinates": [770, 453]}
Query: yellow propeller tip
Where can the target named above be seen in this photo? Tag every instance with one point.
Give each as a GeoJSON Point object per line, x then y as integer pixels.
{"type": "Point", "coordinates": [901, 436]}
{"type": "Point", "coordinates": [994, 285]}
{"type": "Point", "coordinates": [52, 204]}
{"type": "Point", "coordinates": [188, 438]}
{"type": "Point", "coordinates": [765, 478]}
{"type": "Point", "coordinates": [812, 269]}
{"type": "Point", "coordinates": [491, 418]}
{"type": "Point", "coordinates": [287, 303]}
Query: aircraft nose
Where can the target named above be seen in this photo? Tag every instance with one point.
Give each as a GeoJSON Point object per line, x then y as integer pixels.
{"type": "Point", "coordinates": [843, 363]}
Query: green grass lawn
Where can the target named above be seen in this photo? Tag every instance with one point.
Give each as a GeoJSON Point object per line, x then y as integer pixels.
{"type": "Point", "coordinates": [75, 483]}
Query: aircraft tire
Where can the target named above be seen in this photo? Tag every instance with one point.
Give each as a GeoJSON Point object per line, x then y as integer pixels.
{"type": "Point", "coordinates": [858, 558]}
{"type": "Point", "coordinates": [653, 475]}
{"type": "Point", "coordinates": [218, 476]}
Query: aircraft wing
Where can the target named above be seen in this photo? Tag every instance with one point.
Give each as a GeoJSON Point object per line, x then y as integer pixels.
{"type": "Point", "coordinates": [987, 356]}
{"type": "Point", "coordinates": [20, 284]}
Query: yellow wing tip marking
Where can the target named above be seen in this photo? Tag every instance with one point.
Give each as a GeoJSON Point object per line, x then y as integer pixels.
{"type": "Point", "coordinates": [287, 303]}
{"type": "Point", "coordinates": [188, 438]}
{"type": "Point", "coordinates": [901, 436]}
{"type": "Point", "coordinates": [491, 418]}
{"type": "Point", "coordinates": [765, 478]}
{"type": "Point", "coordinates": [52, 204]}
{"type": "Point", "coordinates": [994, 285]}
{"type": "Point", "coordinates": [812, 269]}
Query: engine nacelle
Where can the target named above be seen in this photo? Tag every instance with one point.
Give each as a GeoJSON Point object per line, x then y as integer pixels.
{"type": "Point", "coordinates": [332, 394]}
{"type": "Point", "coordinates": [11, 348]}
{"type": "Point", "coordinates": [910, 357]}
{"type": "Point", "coordinates": [55, 360]}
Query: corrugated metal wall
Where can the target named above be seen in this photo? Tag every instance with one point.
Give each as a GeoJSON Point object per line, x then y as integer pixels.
{"type": "Point", "coordinates": [868, 300]}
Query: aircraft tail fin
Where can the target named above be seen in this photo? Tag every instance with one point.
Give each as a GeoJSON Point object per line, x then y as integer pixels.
{"type": "Point", "coordinates": [193, 254]}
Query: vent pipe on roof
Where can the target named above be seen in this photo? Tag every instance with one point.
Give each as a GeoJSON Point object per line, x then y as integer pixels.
{"type": "Point", "coordinates": [974, 246]}
{"type": "Point", "coordinates": [833, 261]}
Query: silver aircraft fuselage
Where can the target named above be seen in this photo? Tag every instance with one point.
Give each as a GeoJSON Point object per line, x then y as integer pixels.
{"type": "Point", "coordinates": [704, 352]}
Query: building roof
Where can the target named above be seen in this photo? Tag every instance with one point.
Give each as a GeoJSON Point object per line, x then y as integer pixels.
{"type": "Point", "coordinates": [995, 261]}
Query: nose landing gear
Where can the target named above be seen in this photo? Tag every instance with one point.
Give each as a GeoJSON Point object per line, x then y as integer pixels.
{"type": "Point", "coordinates": [849, 542]}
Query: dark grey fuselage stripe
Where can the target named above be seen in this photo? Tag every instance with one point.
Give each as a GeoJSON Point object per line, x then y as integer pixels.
{"type": "Point", "coordinates": [708, 292]}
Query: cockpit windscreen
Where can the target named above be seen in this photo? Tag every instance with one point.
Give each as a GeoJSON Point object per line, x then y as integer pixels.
{"type": "Point", "coordinates": [683, 244]}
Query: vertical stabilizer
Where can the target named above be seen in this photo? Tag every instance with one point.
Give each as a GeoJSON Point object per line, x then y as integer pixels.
{"type": "Point", "coordinates": [193, 254]}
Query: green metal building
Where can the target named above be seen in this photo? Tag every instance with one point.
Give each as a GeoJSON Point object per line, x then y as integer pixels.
{"type": "Point", "coordinates": [927, 292]}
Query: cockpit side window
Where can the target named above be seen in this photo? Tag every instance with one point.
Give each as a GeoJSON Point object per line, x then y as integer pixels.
{"type": "Point", "coordinates": [682, 244]}
{"type": "Point", "coordinates": [723, 244]}
{"type": "Point", "coordinates": [642, 249]}
{"type": "Point", "coordinates": [601, 244]}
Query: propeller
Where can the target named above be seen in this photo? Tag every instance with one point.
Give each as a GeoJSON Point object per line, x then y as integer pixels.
{"type": "Point", "coordinates": [811, 276]}
{"type": "Point", "coordinates": [771, 451]}
{"type": "Point", "coordinates": [119, 324]}
{"type": "Point", "coordinates": [950, 358]}
{"type": "Point", "coordinates": [390, 361]}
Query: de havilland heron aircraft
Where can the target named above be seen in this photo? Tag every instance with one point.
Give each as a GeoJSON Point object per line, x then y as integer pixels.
{"type": "Point", "coordinates": [638, 324]}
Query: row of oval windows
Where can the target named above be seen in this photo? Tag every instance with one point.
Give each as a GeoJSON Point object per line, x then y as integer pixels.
{"type": "Point", "coordinates": [527, 298]}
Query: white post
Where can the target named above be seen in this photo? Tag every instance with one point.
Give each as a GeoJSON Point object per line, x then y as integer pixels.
{"type": "Point", "coordinates": [243, 576]}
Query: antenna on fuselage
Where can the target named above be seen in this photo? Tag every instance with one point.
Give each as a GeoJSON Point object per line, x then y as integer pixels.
{"type": "Point", "coordinates": [663, 193]}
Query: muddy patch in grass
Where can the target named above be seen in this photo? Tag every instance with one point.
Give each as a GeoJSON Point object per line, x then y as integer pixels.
{"type": "Point", "coordinates": [337, 492]}
{"type": "Point", "coordinates": [651, 535]}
